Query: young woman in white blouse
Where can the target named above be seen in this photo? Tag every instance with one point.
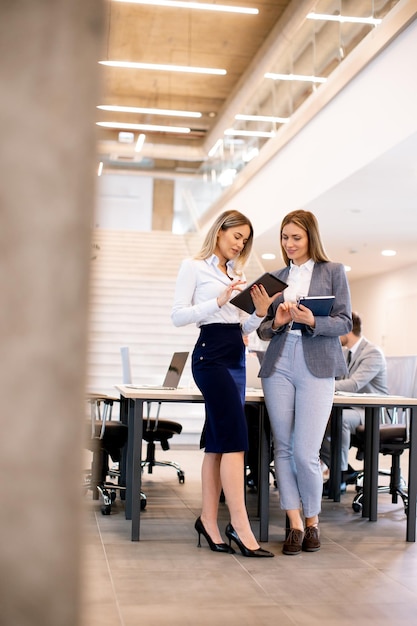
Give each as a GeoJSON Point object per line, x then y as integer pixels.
{"type": "Point", "coordinates": [205, 284]}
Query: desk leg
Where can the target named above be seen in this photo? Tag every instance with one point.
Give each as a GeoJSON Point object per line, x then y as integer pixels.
{"type": "Point", "coordinates": [370, 480]}
{"type": "Point", "coordinates": [412, 478]}
{"type": "Point", "coordinates": [264, 451]}
{"type": "Point", "coordinates": [136, 466]}
{"type": "Point", "coordinates": [336, 453]}
{"type": "Point", "coordinates": [124, 412]}
{"type": "Point", "coordinates": [129, 457]}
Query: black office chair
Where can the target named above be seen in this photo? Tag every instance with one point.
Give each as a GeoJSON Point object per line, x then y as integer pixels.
{"type": "Point", "coordinates": [105, 438]}
{"type": "Point", "coordinates": [156, 430]}
{"type": "Point", "coordinates": [393, 440]}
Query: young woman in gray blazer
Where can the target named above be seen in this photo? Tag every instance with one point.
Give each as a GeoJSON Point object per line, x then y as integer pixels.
{"type": "Point", "coordinates": [298, 373]}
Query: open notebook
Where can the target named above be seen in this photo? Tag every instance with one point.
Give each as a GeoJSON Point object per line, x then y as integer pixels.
{"type": "Point", "coordinates": [172, 377]}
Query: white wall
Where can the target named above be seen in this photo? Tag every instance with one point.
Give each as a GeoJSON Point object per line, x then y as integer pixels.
{"type": "Point", "coordinates": [387, 304]}
{"type": "Point", "coordinates": [124, 202]}
{"type": "Point", "coordinates": [371, 115]}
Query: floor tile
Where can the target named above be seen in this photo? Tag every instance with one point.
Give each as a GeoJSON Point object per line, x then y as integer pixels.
{"type": "Point", "coordinates": [365, 572]}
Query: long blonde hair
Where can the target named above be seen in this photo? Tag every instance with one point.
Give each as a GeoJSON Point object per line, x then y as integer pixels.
{"type": "Point", "coordinates": [308, 222]}
{"type": "Point", "coordinates": [228, 219]}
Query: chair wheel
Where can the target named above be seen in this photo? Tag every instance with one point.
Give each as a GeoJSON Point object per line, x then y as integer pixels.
{"type": "Point", "coordinates": [106, 509]}
{"type": "Point", "coordinates": [357, 507]}
{"type": "Point", "coordinates": [143, 504]}
{"type": "Point", "coordinates": [181, 477]}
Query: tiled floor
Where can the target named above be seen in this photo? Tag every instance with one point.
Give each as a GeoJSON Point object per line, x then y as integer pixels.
{"type": "Point", "coordinates": [365, 573]}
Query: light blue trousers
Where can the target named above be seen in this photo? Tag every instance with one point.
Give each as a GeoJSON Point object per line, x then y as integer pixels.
{"type": "Point", "coordinates": [299, 406]}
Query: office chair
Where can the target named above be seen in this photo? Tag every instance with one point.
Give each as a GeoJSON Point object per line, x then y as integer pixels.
{"type": "Point", "coordinates": [393, 440]}
{"type": "Point", "coordinates": [394, 431]}
{"type": "Point", "coordinates": [156, 430]}
{"type": "Point", "coordinates": [105, 438]}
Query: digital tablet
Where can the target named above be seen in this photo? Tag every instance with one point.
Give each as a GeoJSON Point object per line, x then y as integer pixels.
{"type": "Point", "coordinates": [272, 285]}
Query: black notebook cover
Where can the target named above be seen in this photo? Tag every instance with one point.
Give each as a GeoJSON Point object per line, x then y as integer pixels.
{"type": "Point", "coordinates": [272, 285]}
{"type": "Point", "coordinates": [319, 305]}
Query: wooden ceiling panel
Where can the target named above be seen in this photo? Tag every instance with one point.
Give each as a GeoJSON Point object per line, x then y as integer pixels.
{"type": "Point", "coordinates": [146, 34]}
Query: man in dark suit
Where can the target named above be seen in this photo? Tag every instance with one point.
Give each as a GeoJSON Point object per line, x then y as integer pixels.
{"type": "Point", "coordinates": [367, 373]}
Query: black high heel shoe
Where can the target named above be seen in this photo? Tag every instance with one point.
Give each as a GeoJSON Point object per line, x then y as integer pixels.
{"type": "Point", "coordinates": [216, 547]}
{"type": "Point", "coordinates": [259, 552]}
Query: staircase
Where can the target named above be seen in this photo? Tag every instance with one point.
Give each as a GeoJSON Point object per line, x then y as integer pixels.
{"type": "Point", "coordinates": [132, 287]}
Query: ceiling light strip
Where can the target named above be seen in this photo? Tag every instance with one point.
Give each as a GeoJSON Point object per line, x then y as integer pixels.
{"type": "Point", "coordinates": [147, 111]}
{"type": "Point", "coordinates": [165, 67]}
{"type": "Point", "coordinates": [262, 118]}
{"type": "Point", "coordinates": [145, 127]}
{"type": "Point", "coordinates": [248, 133]}
{"type": "Point", "coordinates": [140, 142]}
{"type": "Point", "coordinates": [214, 148]}
{"type": "Point", "coordinates": [344, 18]}
{"type": "Point", "coordinates": [296, 77]}
{"type": "Point", "coordinates": [204, 6]}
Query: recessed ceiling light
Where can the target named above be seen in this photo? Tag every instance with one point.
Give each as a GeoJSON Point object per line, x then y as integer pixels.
{"type": "Point", "coordinates": [268, 256]}
{"type": "Point", "coordinates": [214, 148]}
{"type": "Point", "coordinates": [248, 133]}
{"type": "Point", "coordinates": [388, 252]}
{"type": "Point", "coordinates": [150, 111]}
{"type": "Point", "coordinates": [126, 137]}
{"type": "Point", "coordinates": [149, 127]}
{"type": "Point", "coordinates": [206, 6]}
{"type": "Point", "coordinates": [344, 18]}
{"type": "Point", "coordinates": [262, 118]}
{"type": "Point", "coordinates": [296, 77]}
{"type": "Point", "coordinates": [164, 67]}
{"type": "Point", "coordinates": [140, 142]}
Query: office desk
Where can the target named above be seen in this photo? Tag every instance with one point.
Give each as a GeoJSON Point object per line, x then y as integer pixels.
{"type": "Point", "coordinates": [132, 413]}
{"type": "Point", "coordinates": [134, 399]}
{"type": "Point", "coordinates": [372, 405]}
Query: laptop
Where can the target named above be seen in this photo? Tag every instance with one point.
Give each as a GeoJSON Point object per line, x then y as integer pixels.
{"type": "Point", "coordinates": [172, 377]}
{"type": "Point", "coordinates": [252, 371]}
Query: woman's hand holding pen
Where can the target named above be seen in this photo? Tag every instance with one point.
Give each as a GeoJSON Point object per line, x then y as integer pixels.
{"type": "Point", "coordinates": [261, 299]}
{"type": "Point", "coordinates": [225, 296]}
{"type": "Point", "coordinates": [289, 312]}
{"type": "Point", "coordinates": [282, 315]}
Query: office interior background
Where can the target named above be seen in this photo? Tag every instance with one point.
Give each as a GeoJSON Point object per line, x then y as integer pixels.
{"type": "Point", "coordinates": [347, 154]}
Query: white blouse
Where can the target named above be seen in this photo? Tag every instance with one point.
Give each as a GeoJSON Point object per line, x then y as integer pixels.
{"type": "Point", "coordinates": [199, 283]}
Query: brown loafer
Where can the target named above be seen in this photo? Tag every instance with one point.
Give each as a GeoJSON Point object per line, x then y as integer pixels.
{"type": "Point", "coordinates": [293, 543]}
{"type": "Point", "coordinates": [311, 541]}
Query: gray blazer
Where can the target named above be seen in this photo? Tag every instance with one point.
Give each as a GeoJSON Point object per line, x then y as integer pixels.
{"type": "Point", "coordinates": [322, 348]}
{"type": "Point", "coordinates": [367, 371]}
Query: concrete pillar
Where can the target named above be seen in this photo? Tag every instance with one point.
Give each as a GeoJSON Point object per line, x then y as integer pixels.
{"type": "Point", "coordinates": [163, 204]}
{"type": "Point", "coordinates": [48, 84]}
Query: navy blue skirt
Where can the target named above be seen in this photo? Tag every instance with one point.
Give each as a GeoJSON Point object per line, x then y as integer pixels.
{"type": "Point", "coordinates": [218, 366]}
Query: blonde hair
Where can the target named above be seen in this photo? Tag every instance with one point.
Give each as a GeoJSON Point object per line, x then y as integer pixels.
{"type": "Point", "coordinates": [228, 219]}
{"type": "Point", "coordinates": [308, 222]}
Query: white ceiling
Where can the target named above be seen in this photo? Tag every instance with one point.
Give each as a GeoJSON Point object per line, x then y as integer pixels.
{"type": "Point", "coordinates": [376, 210]}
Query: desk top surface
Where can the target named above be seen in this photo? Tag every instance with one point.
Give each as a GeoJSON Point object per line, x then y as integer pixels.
{"type": "Point", "coordinates": [184, 394]}
{"type": "Point", "coordinates": [369, 399]}
{"type": "Point", "coordinates": [256, 395]}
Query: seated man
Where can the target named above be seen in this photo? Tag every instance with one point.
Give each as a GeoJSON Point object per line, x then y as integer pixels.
{"type": "Point", "coordinates": [367, 373]}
